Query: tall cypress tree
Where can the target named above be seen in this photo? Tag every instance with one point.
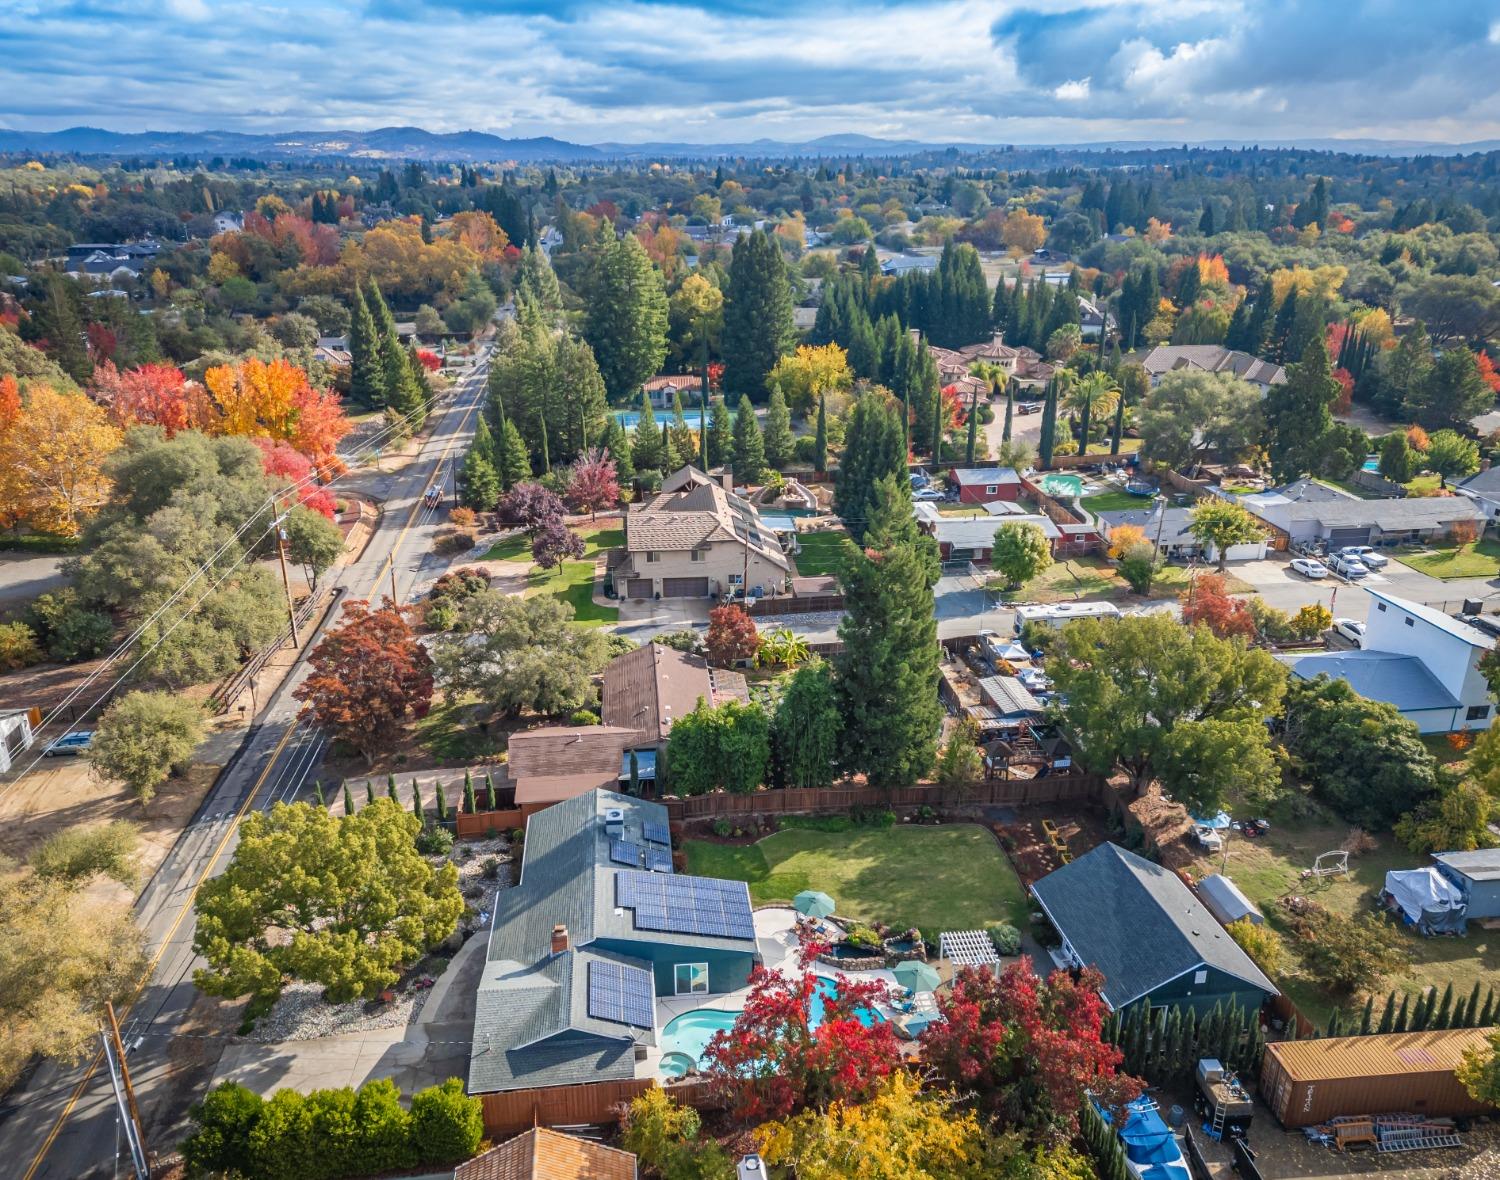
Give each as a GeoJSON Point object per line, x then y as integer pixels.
{"type": "Point", "coordinates": [647, 451]}
{"type": "Point", "coordinates": [511, 463]}
{"type": "Point", "coordinates": [720, 434]}
{"type": "Point", "coordinates": [1117, 431]}
{"type": "Point", "coordinates": [778, 439]}
{"type": "Point", "coordinates": [887, 672]}
{"type": "Point", "coordinates": [820, 438]}
{"type": "Point", "coordinates": [617, 444]}
{"type": "Point", "coordinates": [1010, 410]}
{"type": "Point", "coordinates": [366, 376]}
{"type": "Point", "coordinates": [1048, 438]}
{"type": "Point", "coordinates": [480, 481]}
{"type": "Point", "coordinates": [749, 446]}
{"type": "Point", "coordinates": [758, 323]}
{"type": "Point", "coordinates": [972, 442]}
{"type": "Point", "coordinates": [1401, 1015]}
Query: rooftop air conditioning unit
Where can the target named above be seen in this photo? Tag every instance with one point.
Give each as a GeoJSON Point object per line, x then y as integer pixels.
{"type": "Point", "coordinates": [614, 821]}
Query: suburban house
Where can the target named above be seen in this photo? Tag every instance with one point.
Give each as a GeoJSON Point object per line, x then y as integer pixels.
{"type": "Point", "coordinates": [110, 260]}
{"type": "Point", "coordinates": [1340, 519]}
{"type": "Point", "coordinates": [1166, 526]}
{"type": "Point", "coordinates": [900, 264]}
{"type": "Point", "coordinates": [1211, 358]}
{"type": "Point", "coordinates": [596, 928]}
{"type": "Point", "coordinates": [544, 1154]}
{"type": "Point", "coordinates": [226, 222]}
{"type": "Point", "coordinates": [1093, 319]}
{"type": "Point", "coordinates": [696, 539]}
{"type": "Point", "coordinates": [1477, 876]}
{"type": "Point", "coordinates": [971, 538]}
{"type": "Point", "coordinates": [1483, 487]}
{"type": "Point", "coordinates": [1418, 659]}
{"type": "Point", "coordinates": [1145, 931]}
{"type": "Point", "coordinates": [16, 734]}
{"type": "Point", "coordinates": [663, 389]}
{"type": "Point", "coordinates": [980, 485]}
{"type": "Point", "coordinates": [648, 689]}
{"type": "Point", "coordinates": [557, 762]}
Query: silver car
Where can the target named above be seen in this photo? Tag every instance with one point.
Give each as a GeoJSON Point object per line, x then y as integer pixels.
{"type": "Point", "coordinates": [1366, 556]}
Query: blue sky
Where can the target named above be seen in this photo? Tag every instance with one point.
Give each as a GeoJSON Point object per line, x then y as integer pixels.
{"type": "Point", "coordinates": [1002, 70]}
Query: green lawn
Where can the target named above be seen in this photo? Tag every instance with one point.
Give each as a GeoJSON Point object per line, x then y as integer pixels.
{"type": "Point", "coordinates": [820, 552]}
{"type": "Point", "coordinates": [595, 538]}
{"type": "Point", "coordinates": [1268, 868]}
{"type": "Point", "coordinates": [951, 877]}
{"type": "Point", "coordinates": [1424, 485]}
{"type": "Point", "coordinates": [1479, 560]}
{"type": "Point", "coordinates": [450, 735]}
{"type": "Point", "coordinates": [1115, 502]}
{"type": "Point", "coordinates": [573, 582]}
{"type": "Point", "coordinates": [1075, 577]}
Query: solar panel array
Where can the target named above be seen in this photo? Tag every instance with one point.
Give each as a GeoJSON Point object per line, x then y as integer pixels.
{"type": "Point", "coordinates": [686, 905]}
{"type": "Point", "coordinates": [625, 852]}
{"type": "Point", "coordinates": [659, 860]}
{"type": "Point", "coordinates": [657, 833]}
{"type": "Point", "coordinates": [620, 993]}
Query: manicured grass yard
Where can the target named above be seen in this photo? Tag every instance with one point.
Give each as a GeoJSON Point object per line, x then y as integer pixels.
{"type": "Point", "coordinates": [1116, 501]}
{"type": "Point", "coordinates": [595, 538]}
{"type": "Point", "coordinates": [951, 877]}
{"type": "Point", "coordinates": [450, 733]}
{"type": "Point", "coordinates": [573, 582]}
{"type": "Point", "coordinates": [1479, 560]}
{"type": "Point", "coordinates": [1268, 868]}
{"type": "Point", "coordinates": [1094, 577]}
{"type": "Point", "coordinates": [820, 552]}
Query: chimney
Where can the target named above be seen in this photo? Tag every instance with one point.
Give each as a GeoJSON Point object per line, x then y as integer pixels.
{"type": "Point", "coordinates": [559, 939]}
{"type": "Point", "coordinates": [726, 477]}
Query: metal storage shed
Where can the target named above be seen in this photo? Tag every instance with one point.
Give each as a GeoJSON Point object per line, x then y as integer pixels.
{"type": "Point", "coordinates": [1223, 899]}
{"type": "Point", "coordinates": [1310, 1082]}
{"type": "Point", "coordinates": [1477, 875]}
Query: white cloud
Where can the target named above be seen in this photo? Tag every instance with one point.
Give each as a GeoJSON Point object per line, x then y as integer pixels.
{"type": "Point", "coordinates": [1074, 91]}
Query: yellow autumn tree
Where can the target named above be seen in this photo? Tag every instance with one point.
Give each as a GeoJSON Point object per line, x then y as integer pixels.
{"type": "Point", "coordinates": [900, 1134]}
{"type": "Point", "coordinates": [810, 372]}
{"type": "Point", "coordinates": [52, 461]}
{"type": "Point", "coordinates": [1023, 232]}
{"type": "Point", "coordinates": [1322, 281]}
{"type": "Point", "coordinates": [1122, 537]}
{"type": "Point", "coordinates": [478, 231]}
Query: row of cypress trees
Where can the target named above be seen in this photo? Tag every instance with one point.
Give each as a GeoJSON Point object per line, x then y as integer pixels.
{"type": "Point", "coordinates": [384, 374]}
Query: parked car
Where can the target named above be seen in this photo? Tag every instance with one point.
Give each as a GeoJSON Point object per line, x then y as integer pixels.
{"type": "Point", "coordinates": [1348, 567]}
{"type": "Point", "coordinates": [70, 743]}
{"type": "Point", "coordinates": [1351, 629]}
{"type": "Point", "coordinates": [1479, 622]}
{"type": "Point", "coordinates": [1310, 567]}
{"type": "Point", "coordinates": [1028, 407]}
{"type": "Point", "coordinates": [928, 494]}
{"type": "Point", "coordinates": [1367, 556]}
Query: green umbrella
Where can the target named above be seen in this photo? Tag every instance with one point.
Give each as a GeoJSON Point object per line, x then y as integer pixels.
{"type": "Point", "coordinates": [917, 977]}
{"type": "Point", "coordinates": [813, 903]}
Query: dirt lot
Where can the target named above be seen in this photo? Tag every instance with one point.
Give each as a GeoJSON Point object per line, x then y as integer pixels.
{"type": "Point", "coordinates": [1031, 852]}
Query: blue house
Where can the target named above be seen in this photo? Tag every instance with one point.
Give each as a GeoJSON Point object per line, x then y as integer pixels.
{"type": "Point", "coordinates": [1147, 934]}
{"type": "Point", "coordinates": [596, 928]}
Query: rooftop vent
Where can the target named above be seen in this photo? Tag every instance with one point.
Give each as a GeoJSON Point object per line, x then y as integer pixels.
{"type": "Point", "coordinates": [614, 821]}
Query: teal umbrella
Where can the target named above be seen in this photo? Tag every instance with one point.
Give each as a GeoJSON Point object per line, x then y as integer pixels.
{"type": "Point", "coordinates": [813, 903]}
{"type": "Point", "coordinates": [917, 977]}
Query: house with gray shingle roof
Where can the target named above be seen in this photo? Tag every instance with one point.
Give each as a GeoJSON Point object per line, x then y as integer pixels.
{"type": "Point", "coordinates": [576, 957]}
{"type": "Point", "coordinates": [1147, 934]}
{"type": "Point", "coordinates": [1211, 358]}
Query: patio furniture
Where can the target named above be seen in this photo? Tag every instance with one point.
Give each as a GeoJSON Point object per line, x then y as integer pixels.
{"type": "Point", "coordinates": [916, 976]}
{"type": "Point", "coordinates": [813, 903]}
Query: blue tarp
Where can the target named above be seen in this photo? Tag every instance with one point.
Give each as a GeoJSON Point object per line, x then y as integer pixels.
{"type": "Point", "coordinates": [1150, 1146]}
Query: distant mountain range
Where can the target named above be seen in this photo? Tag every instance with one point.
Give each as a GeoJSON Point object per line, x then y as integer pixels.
{"type": "Point", "coordinates": [405, 143]}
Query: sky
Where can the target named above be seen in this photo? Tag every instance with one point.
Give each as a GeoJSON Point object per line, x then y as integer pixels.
{"type": "Point", "coordinates": [1002, 71]}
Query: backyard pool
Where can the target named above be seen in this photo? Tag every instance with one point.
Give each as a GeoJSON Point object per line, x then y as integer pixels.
{"type": "Point", "coordinates": [629, 418]}
{"type": "Point", "coordinates": [1063, 487]}
{"type": "Point", "coordinates": [1372, 463]}
{"type": "Point", "coordinates": [686, 1037]}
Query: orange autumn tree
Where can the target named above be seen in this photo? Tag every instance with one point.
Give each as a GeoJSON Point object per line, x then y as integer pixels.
{"type": "Point", "coordinates": [478, 231]}
{"type": "Point", "coordinates": [274, 400]}
{"type": "Point", "coordinates": [153, 395]}
{"type": "Point", "coordinates": [52, 452]}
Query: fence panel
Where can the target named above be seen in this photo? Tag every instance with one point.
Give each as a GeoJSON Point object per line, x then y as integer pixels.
{"type": "Point", "coordinates": [486, 822]}
{"type": "Point", "coordinates": [550, 1106]}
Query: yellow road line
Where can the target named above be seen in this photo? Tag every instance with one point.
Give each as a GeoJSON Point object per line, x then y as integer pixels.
{"type": "Point", "coordinates": [161, 953]}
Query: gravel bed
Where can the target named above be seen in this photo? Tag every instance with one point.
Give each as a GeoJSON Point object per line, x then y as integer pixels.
{"type": "Point", "coordinates": [301, 1014]}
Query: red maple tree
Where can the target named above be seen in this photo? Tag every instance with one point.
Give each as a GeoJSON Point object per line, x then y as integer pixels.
{"type": "Point", "coordinates": [1027, 1048]}
{"type": "Point", "coordinates": [368, 676]}
{"type": "Point", "coordinates": [1209, 602]}
{"type": "Point", "coordinates": [731, 635]}
{"type": "Point", "coordinates": [594, 484]}
{"type": "Point", "coordinates": [778, 1058]}
{"type": "Point", "coordinates": [293, 469]}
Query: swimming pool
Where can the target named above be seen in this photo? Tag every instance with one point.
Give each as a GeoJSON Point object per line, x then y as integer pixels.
{"type": "Point", "coordinates": [629, 418]}
{"type": "Point", "coordinates": [1064, 487]}
{"type": "Point", "coordinates": [1372, 463]}
{"type": "Point", "coordinates": [685, 1038]}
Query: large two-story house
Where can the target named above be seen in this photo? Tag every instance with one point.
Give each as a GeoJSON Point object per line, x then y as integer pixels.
{"type": "Point", "coordinates": [697, 538]}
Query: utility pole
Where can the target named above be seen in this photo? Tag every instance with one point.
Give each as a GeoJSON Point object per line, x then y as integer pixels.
{"type": "Point", "coordinates": [286, 584]}
{"type": "Point", "coordinates": [119, 1077]}
{"type": "Point", "coordinates": [395, 598]}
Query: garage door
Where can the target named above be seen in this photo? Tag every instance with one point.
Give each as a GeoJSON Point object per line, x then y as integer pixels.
{"type": "Point", "coordinates": [684, 588]}
{"type": "Point", "coordinates": [1338, 538]}
{"type": "Point", "coordinates": [638, 588]}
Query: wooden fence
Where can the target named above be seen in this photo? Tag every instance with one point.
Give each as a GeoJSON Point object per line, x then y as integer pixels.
{"type": "Point", "coordinates": [485, 822]}
{"type": "Point", "coordinates": [794, 605]}
{"type": "Point", "coordinates": [551, 1106]}
{"type": "Point", "coordinates": [795, 800]}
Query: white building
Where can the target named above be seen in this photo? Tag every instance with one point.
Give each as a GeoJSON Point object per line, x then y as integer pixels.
{"type": "Point", "coordinates": [15, 735]}
{"type": "Point", "coordinates": [1418, 659]}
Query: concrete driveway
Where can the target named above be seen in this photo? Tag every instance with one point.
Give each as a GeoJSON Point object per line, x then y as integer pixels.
{"type": "Point", "coordinates": [1282, 587]}
{"type": "Point", "coordinates": [25, 575]}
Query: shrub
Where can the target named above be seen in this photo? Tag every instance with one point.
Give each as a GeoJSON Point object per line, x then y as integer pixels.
{"type": "Point", "coordinates": [1351, 954]}
{"type": "Point", "coordinates": [66, 628]}
{"type": "Point", "coordinates": [225, 1118]}
{"type": "Point", "coordinates": [491, 868]}
{"type": "Point", "coordinates": [446, 1124]}
{"type": "Point", "coordinates": [434, 841]}
{"type": "Point", "coordinates": [1261, 943]}
{"type": "Point", "coordinates": [684, 641]}
{"type": "Point", "coordinates": [456, 541]}
{"type": "Point", "coordinates": [583, 717]}
{"type": "Point", "coordinates": [864, 938]}
{"type": "Point", "coordinates": [1007, 938]}
{"type": "Point", "coordinates": [462, 518]}
{"type": "Point", "coordinates": [723, 828]}
{"type": "Point", "coordinates": [18, 647]}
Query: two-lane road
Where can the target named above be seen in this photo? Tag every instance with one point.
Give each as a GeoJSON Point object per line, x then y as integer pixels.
{"type": "Point", "coordinates": [61, 1124]}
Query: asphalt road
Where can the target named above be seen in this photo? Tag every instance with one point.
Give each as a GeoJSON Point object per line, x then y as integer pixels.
{"type": "Point", "coordinates": [61, 1125]}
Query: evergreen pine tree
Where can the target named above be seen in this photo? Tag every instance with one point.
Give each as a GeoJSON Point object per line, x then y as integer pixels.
{"type": "Point", "coordinates": [617, 444]}
{"type": "Point", "coordinates": [627, 318]}
{"type": "Point", "coordinates": [512, 464]}
{"type": "Point", "coordinates": [873, 449]}
{"type": "Point", "coordinates": [441, 803]}
{"type": "Point", "coordinates": [1281, 328]}
{"type": "Point", "coordinates": [684, 438]}
{"type": "Point", "coordinates": [477, 476]}
{"type": "Point", "coordinates": [366, 377]}
{"type": "Point", "coordinates": [416, 801]}
{"type": "Point", "coordinates": [720, 434]}
{"type": "Point", "coordinates": [348, 799]}
{"type": "Point", "coordinates": [749, 447]}
{"type": "Point", "coordinates": [820, 438]}
{"type": "Point", "coordinates": [646, 450]}
{"type": "Point", "coordinates": [1048, 438]}
{"type": "Point", "coordinates": [777, 440]}
{"type": "Point", "coordinates": [671, 457]}
{"type": "Point", "coordinates": [1388, 1014]}
{"type": "Point", "coordinates": [758, 323]}
{"type": "Point", "coordinates": [1401, 1015]}
{"type": "Point", "coordinates": [1299, 414]}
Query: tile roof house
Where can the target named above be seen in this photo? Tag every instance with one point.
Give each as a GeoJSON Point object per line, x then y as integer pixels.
{"type": "Point", "coordinates": [696, 539]}
{"type": "Point", "coordinates": [663, 388]}
{"type": "Point", "coordinates": [647, 689]}
{"type": "Point", "coordinates": [1146, 932]}
{"type": "Point", "coordinates": [597, 927]}
{"type": "Point", "coordinates": [1419, 660]}
{"type": "Point", "coordinates": [1211, 358]}
{"type": "Point", "coordinates": [557, 762]}
{"type": "Point", "coordinates": [543, 1154]}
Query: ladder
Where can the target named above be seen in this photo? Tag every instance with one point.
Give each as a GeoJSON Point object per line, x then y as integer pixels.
{"type": "Point", "coordinates": [1417, 1139]}
{"type": "Point", "coordinates": [1216, 1128]}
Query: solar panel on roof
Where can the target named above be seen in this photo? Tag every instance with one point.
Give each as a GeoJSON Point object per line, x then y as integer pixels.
{"type": "Point", "coordinates": [620, 993]}
{"type": "Point", "coordinates": [624, 852]}
{"type": "Point", "coordinates": [658, 860]}
{"type": "Point", "coordinates": [657, 833]}
{"type": "Point", "coordinates": [687, 905]}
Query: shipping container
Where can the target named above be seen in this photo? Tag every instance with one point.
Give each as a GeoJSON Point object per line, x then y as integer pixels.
{"type": "Point", "coordinates": [1310, 1082]}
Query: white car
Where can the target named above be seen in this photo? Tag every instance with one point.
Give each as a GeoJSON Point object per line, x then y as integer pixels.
{"type": "Point", "coordinates": [1351, 629]}
{"type": "Point", "coordinates": [1349, 567]}
{"type": "Point", "coordinates": [1366, 556]}
{"type": "Point", "coordinates": [928, 494]}
{"type": "Point", "coordinates": [1309, 567]}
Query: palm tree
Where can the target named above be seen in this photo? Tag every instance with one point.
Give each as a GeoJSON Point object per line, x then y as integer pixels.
{"type": "Point", "coordinates": [1092, 396]}
{"type": "Point", "coordinates": [784, 647]}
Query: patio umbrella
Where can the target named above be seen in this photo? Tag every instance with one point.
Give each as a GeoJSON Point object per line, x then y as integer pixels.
{"type": "Point", "coordinates": [813, 903]}
{"type": "Point", "coordinates": [916, 976]}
